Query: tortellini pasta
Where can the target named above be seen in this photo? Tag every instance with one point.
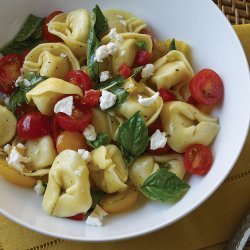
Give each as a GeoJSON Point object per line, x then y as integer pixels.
{"type": "Point", "coordinates": [68, 189]}
{"type": "Point", "coordinates": [50, 59]}
{"type": "Point", "coordinates": [108, 169]}
{"type": "Point", "coordinates": [7, 125]}
{"type": "Point", "coordinates": [41, 152]}
{"type": "Point", "coordinates": [45, 94]}
{"type": "Point", "coordinates": [124, 21]}
{"type": "Point", "coordinates": [73, 28]}
{"type": "Point", "coordinates": [185, 125]}
{"type": "Point", "coordinates": [173, 72]}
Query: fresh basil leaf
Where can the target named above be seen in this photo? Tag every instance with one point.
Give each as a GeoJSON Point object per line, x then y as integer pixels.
{"type": "Point", "coordinates": [163, 186]}
{"type": "Point", "coordinates": [165, 165]}
{"type": "Point", "coordinates": [101, 24]}
{"type": "Point", "coordinates": [121, 95]}
{"type": "Point", "coordinates": [172, 45]}
{"type": "Point", "coordinates": [133, 137]}
{"type": "Point", "coordinates": [96, 197]}
{"type": "Point", "coordinates": [102, 139]}
{"type": "Point", "coordinates": [142, 45]}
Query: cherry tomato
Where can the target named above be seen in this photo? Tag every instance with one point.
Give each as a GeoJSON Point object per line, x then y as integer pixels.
{"type": "Point", "coordinates": [77, 122]}
{"type": "Point", "coordinates": [198, 159]}
{"type": "Point", "coordinates": [70, 140]}
{"type": "Point", "coordinates": [24, 109]}
{"type": "Point", "coordinates": [142, 58]}
{"type": "Point", "coordinates": [10, 66]}
{"type": "Point", "coordinates": [46, 34]}
{"type": "Point", "coordinates": [125, 71]}
{"type": "Point", "coordinates": [55, 130]}
{"type": "Point", "coordinates": [206, 87]}
{"type": "Point", "coordinates": [33, 125]}
{"type": "Point", "coordinates": [91, 97]}
{"type": "Point", "coordinates": [159, 151]}
{"type": "Point", "coordinates": [154, 126]}
{"type": "Point", "coordinates": [192, 101]}
{"type": "Point", "coordinates": [80, 79]}
{"type": "Point", "coordinates": [80, 216]}
{"type": "Point", "coordinates": [167, 96]}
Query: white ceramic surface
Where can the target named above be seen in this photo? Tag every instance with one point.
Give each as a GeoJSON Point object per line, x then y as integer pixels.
{"type": "Point", "coordinates": [215, 45]}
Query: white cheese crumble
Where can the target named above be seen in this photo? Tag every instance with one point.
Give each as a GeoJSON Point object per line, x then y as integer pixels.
{"type": "Point", "coordinates": [158, 140]}
{"type": "Point", "coordinates": [39, 187]}
{"type": "Point", "coordinates": [147, 71]}
{"type": "Point", "coordinates": [120, 17]}
{"type": "Point", "coordinates": [148, 101]}
{"type": "Point", "coordinates": [85, 154]}
{"type": "Point", "coordinates": [20, 79]}
{"type": "Point", "coordinates": [65, 106]}
{"type": "Point", "coordinates": [96, 217]}
{"type": "Point", "coordinates": [79, 171]}
{"type": "Point", "coordinates": [89, 133]}
{"type": "Point", "coordinates": [123, 23]}
{"type": "Point", "coordinates": [21, 146]}
{"type": "Point", "coordinates": [101, 53]}
{"type": "Point", "coordinates": [6, 100]}
{"type": "Point", "coordinates": [7, 148]}
{"type": "Point", "coordinates": [63, 55]}
{"type": "Point", "coordinates": [114, 36]}
{"type": "Point", "coordinates": [112, 48]}
{"type": "Point", "coordinates": [123, 52]}
{"type": "Point", "coordinates": [107, 100]}
{"type": "Point", "coordinates": [105, 75]}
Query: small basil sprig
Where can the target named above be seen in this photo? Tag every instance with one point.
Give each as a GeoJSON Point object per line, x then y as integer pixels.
{"type": "Point", "coordinates": [101, 139]}
{"type": "Point", "coordinates": [133, 137]}
{"type": "Point", "coordinates": [163, 186]}
{"type": "Point", "coordinates": [142, 45]}
{"type": "Point", "coordinates": [121, 95]}
{"type": "Point", "coordinates": [96, 197]}
{"type": "Point", "coordinates": [172, 45]}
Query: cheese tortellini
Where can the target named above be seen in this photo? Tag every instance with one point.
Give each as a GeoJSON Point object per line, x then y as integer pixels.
{"type": "Point", "coordinates": [50, 59]}
{"type": "Point", "coordinates": [108, 169]}
{"type": "Point", "coordinates": [173, 72]}
{"type": "Point", "coordinates": [68, 189]}
{"type": "Point", "coordinates": [73, 29]}
{"type": "Point", "coordinates": [185, 125]}
{"type": "Point", "coordinates": [45, 94]}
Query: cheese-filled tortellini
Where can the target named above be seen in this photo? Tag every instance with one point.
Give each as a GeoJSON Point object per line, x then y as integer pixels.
{"type": "Point", "coordinates": [68, 189]}
{"type": "Point", "coordinates": [41, 152]}
{"type": "Point", "coordinates": [45, 94]}
{"type": "Point", "coordinates": [124, 21]}
{"type": "Point", "coordinates": [131, 105]}
{"type": "Point", "coordinates": [7, 125]}
{"type": "Point", "coordinates": [50, 59]}
{"type": "Point", "coordinates": [173, 72]}
{"type": "Point", "coordinates": [108, 169]}
{"type": "Point", "coordinates": [185, 125]}
{"type": "Point", "coordinates": [73, 29]}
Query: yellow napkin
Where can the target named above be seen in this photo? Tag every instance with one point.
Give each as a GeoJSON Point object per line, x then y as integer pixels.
{"type": "Point", "coordinates": [209, 226]}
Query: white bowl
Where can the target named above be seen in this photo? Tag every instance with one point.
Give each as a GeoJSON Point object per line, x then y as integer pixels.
{"type": "Point", "coordinates": [215, 45]}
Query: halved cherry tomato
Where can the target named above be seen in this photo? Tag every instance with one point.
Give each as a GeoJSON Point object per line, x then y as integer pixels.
{"type": "Point", "coordinates": [154, 126]}
{"type": "Point", "coordinates": [80, 216]}
{"type": "Point", "coordinates": [91, 97]}
{"type": "Point", "coordinates": [46, 34]}
{"type": "Point", "coordinates": [125, 71]}
{"type": "Point", "coordinates": [55, 130]}
{"type": "Point", "coordinates": [159, 151]}
{"type": "Point", "coordinates": [33, 125]}
{"type": "Point", "coordinates": [77, 122]}
{"type": "Point", "coordinates": [24, 109]}
{"type": "Point", "coordinates": [10, 66]}
{"type": "Point", "coordinates": [206, 87]}
{"type": "Point", "coordinates": [167, 96]}
{"type": "Point", "coordinates": [79, 78]}
{"type": "Point", "coordinates": [142, 58]}
{"type": "Point", "coordinates": [192, 101]}
{"type": "Point", "coordinates": [198, 159]}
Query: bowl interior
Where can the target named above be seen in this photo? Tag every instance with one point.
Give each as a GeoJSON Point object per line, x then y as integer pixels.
{"type": "Point", "coordinates": [214, 45]}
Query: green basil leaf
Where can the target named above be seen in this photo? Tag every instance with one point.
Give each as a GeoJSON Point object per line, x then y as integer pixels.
{"type": "Point", "coordinates": [101, 24]}
{"type": "Point", "coordinates": [102, 139]}
{"type": "Point", "coordinates": [133, 137]}
{"type": "Point", "coordinates": [163, 186]}
{"type": "Point", "coordinates": [96, 197]}
{"type": "Point", "coordinates": [142, 45]}
{"type": "Point", "coordinates": [172, 45]}
{"type": "Point", "coordinates": [121, 95]}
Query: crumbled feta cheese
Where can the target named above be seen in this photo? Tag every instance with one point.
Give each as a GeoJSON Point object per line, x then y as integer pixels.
{"type": "Point", "coordinates": [65, 106]}
{"type": "Point", "coordinates": [123, 52]}
{"type": "Point", "coordinates": [89, 133]}
{"type": "Point", "coordinates": [78, 172]}
{"type": "Point", "coordinates": [114, 36]}
{"type": "Point", "coordinates": [147, 71]}
{"type": "Point", "coordinates": [112, 48]}
{"type": "Point", "coordinates": [148, 101]}
{"type": "Point", "coordinates": [158, 140]}
{"type": "Point", "coordinates": [96, 217]}
{"type": "Point", "coordinates": [123, 23]}
{"type": "Point", "coordinates": [85, 154]}
{"type": "Point", "coordinates": [39, 187]}
{"type": "Point", "coordinates": [63, 55]}
{"type": "Point", "coordinates": [104, 76]}
{"type": "Point", "coordinates": [120, 17]}
{"type": "Point", "coordinates": [7, 148]}
{"type": "Point", "coordinates": [21, 146]}
{"type": "Point", "coordinates": [6, 100]}
{"type": "Point", "coordinates": [107, 100]}
{"type": "Point", "coordinates": [101, 53]}
{"type": "Point", "coordinates": [20, 79]}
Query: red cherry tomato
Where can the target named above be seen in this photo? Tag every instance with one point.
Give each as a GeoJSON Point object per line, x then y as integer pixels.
{"type": "Point", "coordinates": [142, 58]}
{"type": "Point", "coordinates": [206, 87]}
{"type": "Point", "coordinates": [10, 66]}
{"type": "Point", "coordinates": [55, 130]}
{"type": "Point", "coordinates": [125, 71]}
{"type": "Point", "coordinates": [33, 125]}
{"type": "Point", "coordinates": [80, 79]}
{"type": "Point", "coordinates": [80, 216]}
{"type": "Point", "coordinates": [46, 34]}
{"type": "Point", "coordinates": [154, 126]}
{"type": "Point", "coordinates": [24, 109]}
{"type": "Point", "coordinates": [159, 151]}
{"type": "Point", "coordinates": [198, 159]}
{"type": "Point", "coordinates": [167, 96]}
{"type": "Point", "coordinates": [192, 101]}
{"type": "Point", "coordinates": [91, 97]}
{"type": "Point", "coordinates": [77, 122]}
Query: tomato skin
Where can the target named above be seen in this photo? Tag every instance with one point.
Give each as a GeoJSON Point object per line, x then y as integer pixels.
{"type": "Point", "coordinates": [154, 126]}
{"type": "Point", "coordinates": [142, 58]}
{"type": "Point", "coordinates": [79, 78]}
{"type": "Point", "coordinates": [206, 87]}
{"type": "Point", "coordinates": [77, 122]}
{"type": "Point", "coordinates": [167, 96]}
{"type": "Point", "coordinates": [33, 125]}
{"type": "Point", "coordinates": [24, 109]}
{"type": "Point", "coordinates": [55, 130]}
{"type": "Point", "coordinates": [79, 217]}
{"type": "Point", "coordinates": [91, 97]}
{"type": "Point", "coordinates": [192, 101]}
{"type": "Point", "coordinates": [10, 67]}
{"type": "Point", "coordinates": [46, 34]}
{"type": "Point", "coordinates": [125, 71]}
{"type": "Point", "coordinates": [159, 151]}
{"type": "Point", "coordinates": [198, 159]}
